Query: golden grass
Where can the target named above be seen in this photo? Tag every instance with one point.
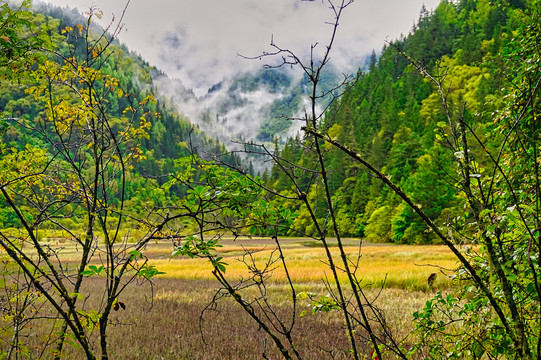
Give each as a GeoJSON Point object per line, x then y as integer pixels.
{"type": "Point", "coordinates": [406, 267]}
{"type": "Point", "coordinates": [400, 266]}
{"type": "Point", "coordinates": [188, 286]}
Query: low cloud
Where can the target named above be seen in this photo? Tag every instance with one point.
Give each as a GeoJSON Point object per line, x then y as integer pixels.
{"type": "Point", "coordinates": [198, 41]}
{"type": "Point", "coordinates": [217, 114]}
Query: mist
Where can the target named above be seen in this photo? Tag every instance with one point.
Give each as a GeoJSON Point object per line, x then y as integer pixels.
{"type": "Point", "coordinates": [198, 42]}
{"type": "Point", "coordinates": [202, 47]}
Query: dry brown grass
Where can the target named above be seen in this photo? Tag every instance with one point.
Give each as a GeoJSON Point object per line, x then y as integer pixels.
{"type": "Point", "coordinates": [164, 324]}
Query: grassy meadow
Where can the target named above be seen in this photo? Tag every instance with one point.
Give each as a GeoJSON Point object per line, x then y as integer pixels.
{"type": "Point", "coordinates": [403, 266]}
{"type": "Point", "coordinates": [165, 319]}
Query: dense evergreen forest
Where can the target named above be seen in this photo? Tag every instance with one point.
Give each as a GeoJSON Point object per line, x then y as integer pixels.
{"type": "Point", "coordinates": [394, 118]}
{"type": "Point", "coordinates": [392, 115]}
{"type": "Point", "coordinates": [168, 136]}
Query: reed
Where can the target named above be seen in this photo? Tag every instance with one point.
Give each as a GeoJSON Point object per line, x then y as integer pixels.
{"type": "Point", "coordinates": [406, 267]}
{"type": "Point", "coordinates": [162, 320]}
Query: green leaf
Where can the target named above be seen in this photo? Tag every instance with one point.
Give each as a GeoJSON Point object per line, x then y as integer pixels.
{"type": "Point", "coordinates": [135, 254]}
{"type": "Point", "coordinates": [441, 124]}
{"type": "Point", "coordinates": [149, 272]}
{"type": "Point", "coordinates": [77, 295]}
{"type": "Point", "coordinates": [92, 270]}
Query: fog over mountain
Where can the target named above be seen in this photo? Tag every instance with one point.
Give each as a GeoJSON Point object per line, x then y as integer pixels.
{"type": "Point", "coordinates": [198, 41]}
{"type": "Point", "coordinates": [197, 45]}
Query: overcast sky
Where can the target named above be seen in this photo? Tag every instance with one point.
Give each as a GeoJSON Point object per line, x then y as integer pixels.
{"type": "Point", "coordinates": [197, 41]}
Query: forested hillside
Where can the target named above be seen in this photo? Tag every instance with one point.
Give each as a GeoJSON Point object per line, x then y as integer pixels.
{"type": "Point", "coordinates": [255, 106]}
{"type": "Point", "coordinates": [394, 118]}
{"type": "Point", "coordinates": [167, 135]}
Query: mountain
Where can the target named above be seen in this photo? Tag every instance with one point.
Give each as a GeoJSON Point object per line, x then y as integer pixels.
{"type": "Point", "coordinates": [174, 127]}
{"type": "Point", "coordinates": [168, 135]}
{"type": "Point", "coordinates": [255, 106]}
{"type": "Point", "coordinates": [250, 107]}
{"type": "Point", "coordinates": [393, 118]}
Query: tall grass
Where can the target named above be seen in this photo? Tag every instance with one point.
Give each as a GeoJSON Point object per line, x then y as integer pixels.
{"type": "Point", "coordinates": [405, 267]}
{"type": "Point", "coordinates": [165, 321]}
{"type": "Point", "coordinates": [391, 266]}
